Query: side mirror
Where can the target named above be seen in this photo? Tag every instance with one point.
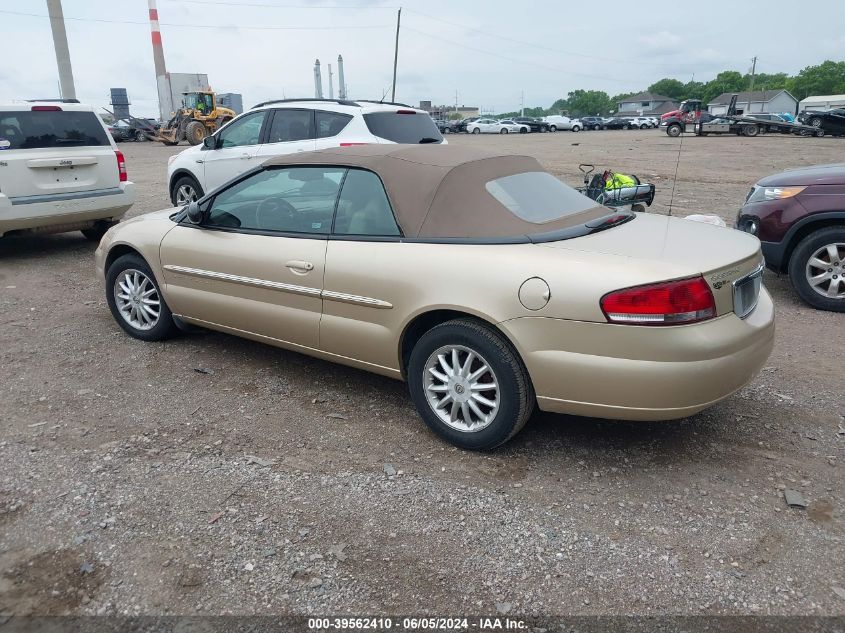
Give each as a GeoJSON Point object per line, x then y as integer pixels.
{"type": "Point", "coordinates": [209, 142]}
{"type": "Point", "coordinates": [195, 214]}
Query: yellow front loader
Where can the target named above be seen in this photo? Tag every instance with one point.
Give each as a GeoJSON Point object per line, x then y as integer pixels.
{"type": "Point", "coordinates": [199, 116]}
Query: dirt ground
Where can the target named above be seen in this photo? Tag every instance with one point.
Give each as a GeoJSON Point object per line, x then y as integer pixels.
{"type": "Point", "coordinates": [211, 474]}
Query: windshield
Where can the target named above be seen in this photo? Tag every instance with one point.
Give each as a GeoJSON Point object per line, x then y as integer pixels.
{"type": "Point", "coordinates": [51, 128]}
{"type": "Point", "coordinates": [405, 127]}
{"type": "Point", "coordinates": [538, 197]}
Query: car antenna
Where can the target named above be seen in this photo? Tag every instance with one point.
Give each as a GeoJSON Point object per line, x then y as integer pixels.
{"type": "Point", "coordinates": [675, 179]}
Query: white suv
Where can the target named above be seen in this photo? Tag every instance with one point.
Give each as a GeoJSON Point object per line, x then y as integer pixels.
{"type": "Point", "coordinates": [288, 126]}
{"type": "Point", "coordinates": [59, 170]}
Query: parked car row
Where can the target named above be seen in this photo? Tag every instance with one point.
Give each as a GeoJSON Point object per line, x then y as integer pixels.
{"type": "Point", "coordinates": [551, 123]}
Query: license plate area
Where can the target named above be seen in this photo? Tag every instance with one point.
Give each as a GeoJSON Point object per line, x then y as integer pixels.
{"type": "Point", "coordinates": [746, 291]}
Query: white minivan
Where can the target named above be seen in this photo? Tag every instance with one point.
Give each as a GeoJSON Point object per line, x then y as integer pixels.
{"type": "Point", "coordinates": [60, 170]}
{"type": "Point", "coordinates": [562, 123]}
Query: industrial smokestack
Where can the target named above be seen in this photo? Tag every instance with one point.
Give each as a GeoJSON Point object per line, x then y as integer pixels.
{"type": "Point", "coordinates": [164, 96]}
{"type": "Point", "coordinates": [318, 81]}
{"type": "Point", "coordinates": [331, 83]}
{"type": "Point", "coordinates": [57, 22]}
{"type": "Point", "coordinates": [341, 82]}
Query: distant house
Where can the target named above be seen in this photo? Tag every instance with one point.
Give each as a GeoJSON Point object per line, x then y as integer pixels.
{"type": "Point", "coordinates": [771, 101]}
{"type": "Point", "coordinates": [646, 104]}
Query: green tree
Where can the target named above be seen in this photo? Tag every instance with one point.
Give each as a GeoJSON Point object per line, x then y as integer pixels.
{"type": "Point", "coordinates": [764, 81]}
{"type": "Point", "coordinates": [671, 88]}
{"type": "Point", "coordinates": [558, 106]}
{"type": "Point", "coordinates": [725, 81]}
{"type": "Point", "coordinates": [693, 90]}
{"type": "Point", "coordinates": [825, 79]}
{"type": "Point", "coordinates": [589, 102]}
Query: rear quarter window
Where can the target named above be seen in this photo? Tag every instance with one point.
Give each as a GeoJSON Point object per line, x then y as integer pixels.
{"type": "Point", "coordinates": [412, 128]}
{"type": "Point", "coordinates": [47, 129]}
{"type": "Point", "coordinates": [538, 197]}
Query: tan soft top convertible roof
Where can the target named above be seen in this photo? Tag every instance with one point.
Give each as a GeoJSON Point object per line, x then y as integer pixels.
{"type": "Point", "coordinates": [438, 191]}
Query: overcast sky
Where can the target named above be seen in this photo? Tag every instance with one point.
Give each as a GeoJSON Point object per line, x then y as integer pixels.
{"type": "Point", "coordinates": [489, 53]}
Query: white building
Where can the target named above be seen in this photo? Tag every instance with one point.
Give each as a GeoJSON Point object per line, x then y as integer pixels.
{"type": "Point", "coordinates": [822, 102]}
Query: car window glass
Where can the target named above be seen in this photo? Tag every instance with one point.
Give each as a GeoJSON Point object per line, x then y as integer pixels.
{"type": "Point", "coordinates": [331, 123]}
{"type": "Point", "coordinates": [243, 131]}
{"type": "Point", "coordinates": [51, 128]}
{"type": "Point", "coordinates": [538, 197]}
{"type": "Point", "coordinates": [296, 200]}
{"type": "Point", "coordinates": [290, 125]}
{"type": "Point", "coordinates": [363, 208]}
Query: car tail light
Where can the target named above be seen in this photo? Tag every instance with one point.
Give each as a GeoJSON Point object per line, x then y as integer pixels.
{"type": "Point", "coordinates": [668, 303]}
{"type": "Point", "coordinates": [50, 108]}
{"type": "Point", "coordinates": [121, 165]}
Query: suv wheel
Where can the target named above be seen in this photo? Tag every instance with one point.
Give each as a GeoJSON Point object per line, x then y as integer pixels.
{"type": "Point", "coordinates": [469, 385]}
{"type": "Point", "coordinates": [96, 232]}
{"type": "Point", "coordinates": [815, 121]}
{"type": "Point", "coordinates": [817, 269]}
{"type": "Point", "coordinates": [185, 190]}
{"type": "Point", "coordinates": [135, 300]}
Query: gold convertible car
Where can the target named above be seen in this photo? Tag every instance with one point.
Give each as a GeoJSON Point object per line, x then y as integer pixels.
{"type": "Point", "coordinates": [482, 280]}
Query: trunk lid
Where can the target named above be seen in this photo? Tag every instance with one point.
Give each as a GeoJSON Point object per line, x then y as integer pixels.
{"type": "Point", "coordinates": [48, 152]}
{"type": "Point", "coordinates": [680, 248]}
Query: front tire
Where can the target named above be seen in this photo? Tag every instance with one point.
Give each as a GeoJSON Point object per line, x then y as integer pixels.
{"type": "Point", "coordinates": [476, 130]}
{"type": "Point", "coordinates": [817, 269]}
{"type": "Point", "coordinates": [552, 128]}
{"type": "Point", "coordinates": [195, 132]}
{"type": "Point", "coordinates": [135, 300]}
{"type": "Point", "coordinates": [815, 122]}
{"type": "Point", "coordinates": [469, 385]}
{"type": "Point", "coordinates": [185, 190]}
{"type": "Point", "coordinates": [504, 130]}
{"type": "Point", "coordinates": [674, 130]}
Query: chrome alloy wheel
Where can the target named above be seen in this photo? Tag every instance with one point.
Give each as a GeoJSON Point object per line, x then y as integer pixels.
{"type": "Point", "coordinates": [461, 388]}
{"type": "Point", "coordinates": [185, 194]}
{"type": "Point", "coordinates": [825, 271]}
{"type": "Point", "coordinates": [137, 300]}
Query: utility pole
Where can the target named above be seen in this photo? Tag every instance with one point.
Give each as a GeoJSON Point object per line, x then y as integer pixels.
{"type": "Point", "coordinates": [753, 73]}
{"type": "Point", "coordinates": [522, 103]}
{"type": "Point", "coordinates": [57, 23]}
{"type": "Point", "coordinates": [456, 100]}
{"type": "Point", "coordinates": [396, 53]}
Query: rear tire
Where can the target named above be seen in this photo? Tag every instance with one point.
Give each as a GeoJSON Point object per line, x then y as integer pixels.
{"type": "Point", "coordinates": [511, 392]}
{"type": "Point", "coordinates": [552, 128]}
{"type": "Point", "coordinates": [143, 286]}
{"type": "Point", "coordinates": [96, 232]}
{"type": "Point", "coordinates": [800, 271]}
{"type": "Point", "coordinates": [815, 121]}
{"type": "Point", "coordinates": [751, 130]}
{"type": "Point", "coordinates": [504, 130]}
{"type": "Point", "coordinates": [140, 136]}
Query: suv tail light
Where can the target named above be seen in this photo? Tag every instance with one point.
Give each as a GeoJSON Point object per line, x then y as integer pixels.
{"type": "Point", "coordinates": [352, 144]}
{"type": "Point", "coordinates": [121, 165]}
{"type": "Point", "coordinates": [406, 112]}
{"type": "Point", "coordinates": [50, 108]}
{"type": "Point", "coordinates": [668, 303]}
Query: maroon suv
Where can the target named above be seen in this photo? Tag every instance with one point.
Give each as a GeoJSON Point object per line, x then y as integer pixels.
{"type": "Point", "coordinates": [799, 216]}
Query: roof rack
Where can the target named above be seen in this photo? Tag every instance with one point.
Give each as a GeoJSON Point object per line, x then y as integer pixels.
{"type": "Point", "coordinates": [345, 102]}
{"type": "Point", "coordinates": [53, 100]}
{"type": "Point", "coordinates": [393, 103]}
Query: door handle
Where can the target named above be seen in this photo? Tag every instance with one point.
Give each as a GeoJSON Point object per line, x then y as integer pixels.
{"type": "Point", "coordinates": [299, 266]}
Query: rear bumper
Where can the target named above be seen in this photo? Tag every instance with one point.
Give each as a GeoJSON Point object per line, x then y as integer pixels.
{"type": "Point", "coordinates": [642, 373]}
{"type": "Point", "coordinates": [69, 210]}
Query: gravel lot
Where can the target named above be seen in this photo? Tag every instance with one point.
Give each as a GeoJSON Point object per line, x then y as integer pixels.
{"type": "Point", "coordinates": [268, 482]}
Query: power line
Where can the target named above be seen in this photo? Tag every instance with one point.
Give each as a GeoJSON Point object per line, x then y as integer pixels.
{"type": "Point", "coordinates": [279, 6]}
{"type": "Point", "coordinates": [535, 45]}
{"type": "Point", "coordinates": [511, 59]}
{"type": "Point", "coordinates": [204, 26]}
